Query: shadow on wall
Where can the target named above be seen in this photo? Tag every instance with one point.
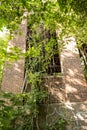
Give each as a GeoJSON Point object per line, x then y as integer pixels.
{"type": "Point", "coordinates": [75, 83]}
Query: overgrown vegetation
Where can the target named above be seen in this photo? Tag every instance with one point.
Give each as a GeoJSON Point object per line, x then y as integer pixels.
{"type": "Point", "coordinates": [60, 124]}
{"type": "Point", "coordinates": [45, 17]}
{"type": "Point", "coordinates": [3, 50]}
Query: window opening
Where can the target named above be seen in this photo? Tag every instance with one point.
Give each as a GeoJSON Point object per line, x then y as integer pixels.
{"type": "Point", "coordinates": [54, 63]}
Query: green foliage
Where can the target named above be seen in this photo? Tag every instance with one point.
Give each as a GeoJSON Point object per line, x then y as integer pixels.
{"type": "Point", "coordinates": [68, 18]}
{"type": "Point", "coordinates": [17, 111]}
{"type": "Point", "coordinates": [11, 13]}
{"type": "Point", "coordinates": [13, 112]}
{"type": "Point", "coordinates": [65, 14]}
{"type": "Point", "coordinates": [3, 52]}
{"type": "Point", "coordinates": [60, 124]}
{"type": "Point", "coordinates": [80, 6]}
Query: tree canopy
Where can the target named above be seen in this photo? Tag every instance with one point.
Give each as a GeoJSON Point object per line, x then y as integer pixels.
{"type": "Point", "coordinates": [66, 14]}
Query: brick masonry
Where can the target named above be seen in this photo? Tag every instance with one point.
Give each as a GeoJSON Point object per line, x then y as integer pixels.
{"type": "Point", "coordinates": [74, 80]}
{"type": "Point", "coordinates": [13, 75]}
